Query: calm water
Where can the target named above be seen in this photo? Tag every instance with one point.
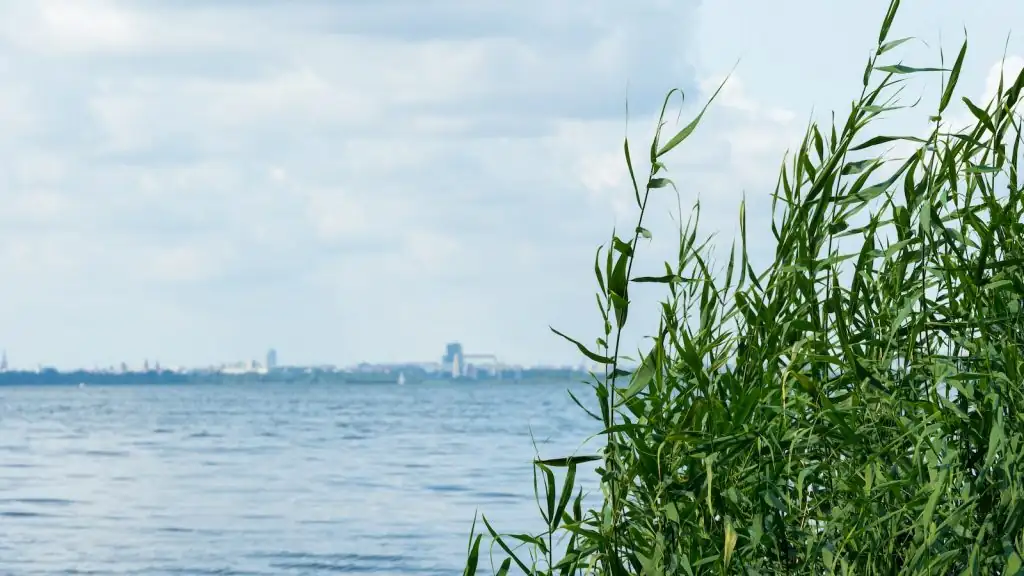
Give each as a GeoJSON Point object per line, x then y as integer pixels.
{"type": "Point", "coordinates": [269, 479]}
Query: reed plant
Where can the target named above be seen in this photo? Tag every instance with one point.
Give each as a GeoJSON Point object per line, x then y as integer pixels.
{"type": "Point", "coordinates": [856, 406]}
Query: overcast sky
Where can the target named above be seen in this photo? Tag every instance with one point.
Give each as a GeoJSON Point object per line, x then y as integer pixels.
{"type": "Point", "coordinates": [196, 181]}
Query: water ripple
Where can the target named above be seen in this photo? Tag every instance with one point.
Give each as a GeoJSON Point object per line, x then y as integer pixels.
{"type": "Point", "coordinates": [269, 479]}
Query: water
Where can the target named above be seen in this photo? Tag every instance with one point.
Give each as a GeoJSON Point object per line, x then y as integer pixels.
{"type": "Point", "coordinates": [269, 479]}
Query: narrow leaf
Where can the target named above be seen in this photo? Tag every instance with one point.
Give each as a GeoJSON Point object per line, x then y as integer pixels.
{"type": "Point", "coordinates": [954, 76]}
{"type": "Point", "coordinates": [595, 357]}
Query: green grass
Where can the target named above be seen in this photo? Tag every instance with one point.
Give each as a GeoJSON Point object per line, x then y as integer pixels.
{"type": "Point", "coordinates": [853, 407]}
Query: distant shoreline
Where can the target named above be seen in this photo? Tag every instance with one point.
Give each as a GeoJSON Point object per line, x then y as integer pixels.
{"type": "Point", "coordinates": [294, 376]}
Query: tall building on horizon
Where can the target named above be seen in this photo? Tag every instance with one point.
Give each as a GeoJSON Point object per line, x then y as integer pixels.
{"type": "Point", "coordinates": [452, 360]}
{"type": "Point", "coordinates": [271, 359]}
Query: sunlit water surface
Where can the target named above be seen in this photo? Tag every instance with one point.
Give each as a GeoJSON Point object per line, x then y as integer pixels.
{"type": "Point", "coordinates": [269, 479]}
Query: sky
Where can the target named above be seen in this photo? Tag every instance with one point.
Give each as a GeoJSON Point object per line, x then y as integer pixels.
{"type": "Point", "coordinates": [344, 181]}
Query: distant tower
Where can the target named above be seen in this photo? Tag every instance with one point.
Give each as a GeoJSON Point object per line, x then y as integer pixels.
{"type": "Point", "coordinates": [453, 359]}
{"type": "Point", "coordinates": [271, 359]}
{"type": "Point", "coordinates": [3, 362]}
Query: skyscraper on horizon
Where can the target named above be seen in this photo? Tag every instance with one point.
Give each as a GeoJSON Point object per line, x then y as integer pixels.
{"type": "Point", "coordinates": [271, 359]}
{"type": "Point", "coordinates": [452, 360]}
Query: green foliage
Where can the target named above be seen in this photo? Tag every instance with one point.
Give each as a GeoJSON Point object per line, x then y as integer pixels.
{"type": "Point", "coordinates": [857, 407]}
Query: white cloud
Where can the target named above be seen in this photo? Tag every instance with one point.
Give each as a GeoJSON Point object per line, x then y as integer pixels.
{"type": "Point", "coordinates": [87, 25]}
{"type": "Point", "coordinates": [345, 180]}
{"type": "Point", "coordinates": [336, 215]}
{"type": "Point", "coordinates": [105, 27]}
{"type": "Point", "coordinates": [183, 263]}
{"type": "Point", "coordinates": [1005, 71]}
{"type": "Point", "coordinates": [39, 207]}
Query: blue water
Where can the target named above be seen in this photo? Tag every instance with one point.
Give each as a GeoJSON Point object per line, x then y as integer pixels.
{"type": "Point", "coordinates": [269, 479]}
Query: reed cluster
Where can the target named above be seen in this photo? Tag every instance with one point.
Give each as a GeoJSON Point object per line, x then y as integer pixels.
{"type": "Point", "coordinates": [856, 406]}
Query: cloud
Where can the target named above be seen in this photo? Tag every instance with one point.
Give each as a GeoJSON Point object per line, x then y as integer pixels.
{"type": "Point", "coordinates": [198, 181]}
{"type": "Point", "coordinates": [1004, 71]}
{"type": "Point", "coordinates": [92, 27]}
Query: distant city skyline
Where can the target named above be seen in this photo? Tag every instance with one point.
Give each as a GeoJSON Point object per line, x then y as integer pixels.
{"type": "Point", "coordinates": [452, 358]}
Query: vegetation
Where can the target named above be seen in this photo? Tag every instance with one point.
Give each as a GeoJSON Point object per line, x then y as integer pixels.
{"type": "Point", "coordinates": [856, 407]}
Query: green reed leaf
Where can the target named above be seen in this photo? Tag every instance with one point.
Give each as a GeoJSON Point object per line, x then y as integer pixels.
{"type": "Point", "coordinates": [852, 403]}
{"type": "Point", "coordinates": [954, 76]}
{"type": "Point", "coordinates": [687, 130]}
{"type": "Point", "coordinates": [586, 352]}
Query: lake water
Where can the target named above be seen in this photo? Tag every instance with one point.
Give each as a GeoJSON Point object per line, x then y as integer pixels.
{"type": "Point", "coordinates": [270, 479]}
